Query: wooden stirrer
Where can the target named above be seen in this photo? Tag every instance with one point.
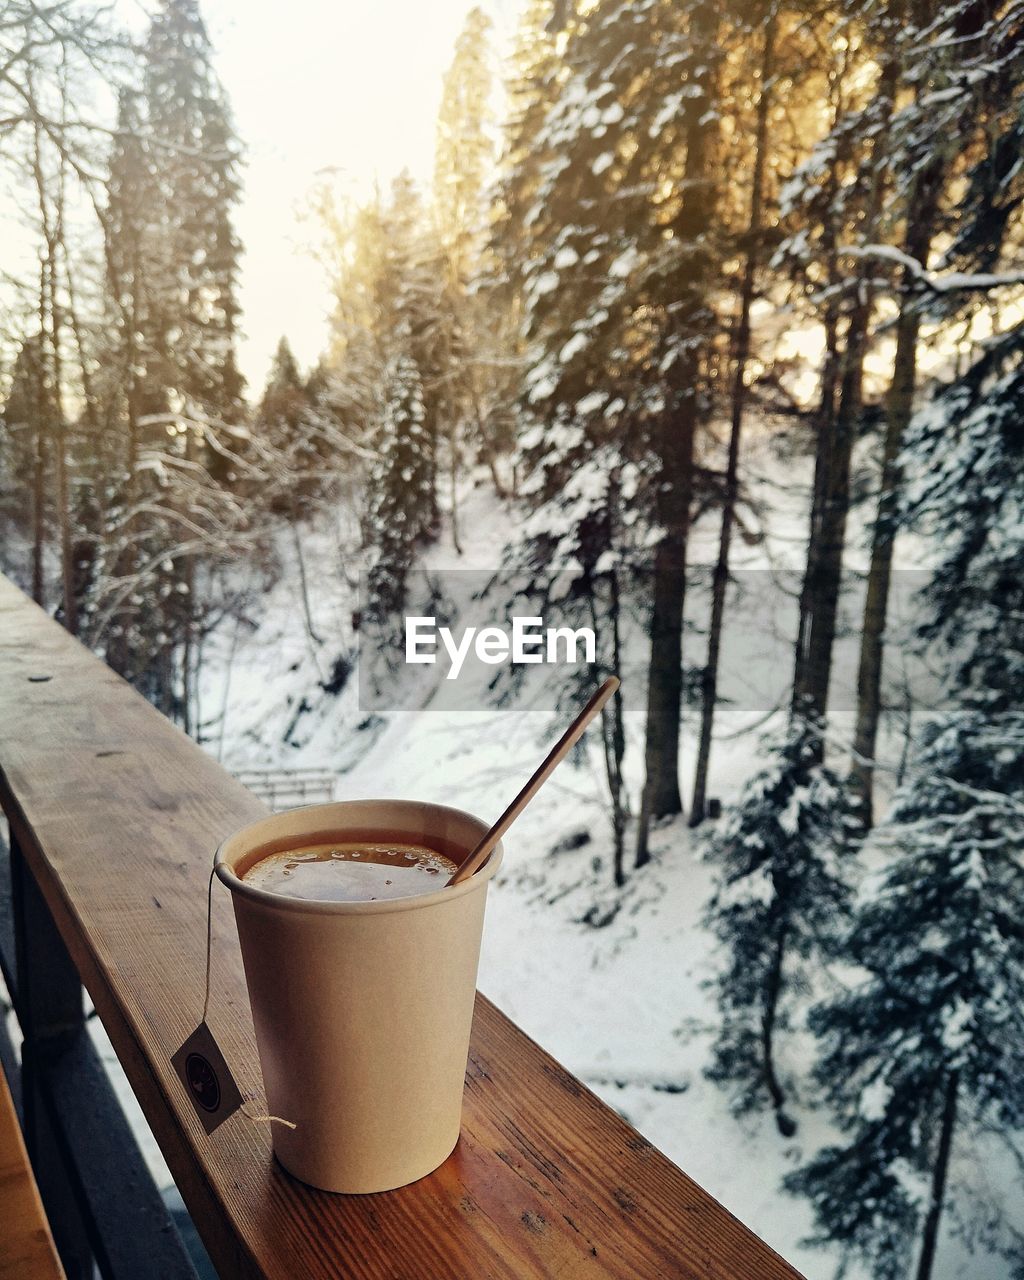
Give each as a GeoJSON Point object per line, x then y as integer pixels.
{"type": "Point", "coordinates": [553, 759]}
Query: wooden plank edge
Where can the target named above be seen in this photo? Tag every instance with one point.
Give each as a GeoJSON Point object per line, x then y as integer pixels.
{"type": "Point", "coordinates": [160, 1110]}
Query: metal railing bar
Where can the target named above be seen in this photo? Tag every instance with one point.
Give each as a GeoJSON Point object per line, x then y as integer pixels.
{"type": "Point", "coordinates": [78, 1135]}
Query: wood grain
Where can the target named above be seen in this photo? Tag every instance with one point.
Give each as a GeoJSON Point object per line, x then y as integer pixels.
{"type": "Point", "coordinates": [27, 1251]}
{"type": "Point", "coordinates": [118, 814]}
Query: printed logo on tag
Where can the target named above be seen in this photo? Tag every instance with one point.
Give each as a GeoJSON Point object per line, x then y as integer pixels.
{"type": "Point", "coordinates": [208, 1082]}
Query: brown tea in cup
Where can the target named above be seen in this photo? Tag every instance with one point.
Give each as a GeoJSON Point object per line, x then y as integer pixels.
{"type": "Point", "coordinates": [351, 871]}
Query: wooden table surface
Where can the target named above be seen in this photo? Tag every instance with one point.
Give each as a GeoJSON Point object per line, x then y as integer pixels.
{"type": "Point", "coordinates": [118, 813]}
{"type": "Point", "coordinates": [27, 1251]}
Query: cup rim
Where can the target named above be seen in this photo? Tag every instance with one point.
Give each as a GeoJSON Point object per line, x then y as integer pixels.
{"type": "Point", "coordinates": [313, 906]}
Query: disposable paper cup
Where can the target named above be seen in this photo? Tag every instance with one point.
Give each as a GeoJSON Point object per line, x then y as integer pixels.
{"type": "Point", "coordinates": [362, 1010]}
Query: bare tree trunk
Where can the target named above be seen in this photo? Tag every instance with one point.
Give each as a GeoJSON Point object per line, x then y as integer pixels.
{"type": "Point", "coordinates": [453, 477]}
{"type": "Point", "coordinates": [118, 646]}
{"type": "Point", "coordinates": [40, 414]}
{"type": "Point", "coordinates": [786, 1125]}
{"type": "Point", "coordinates": [303, 587]}
{"type": "Point", "coordinates": [197, 671]}
{"type": "Point", "coordinates": [185, 709]}
{"type": "Point", "coordinates": [825, 560]}
{"type": "Point", "coordinates": [617, 745]}
{"type": "Point", "coordinates": [39, 505]}
{"type": "Point", "coordinates": [613, 737]}
{"type": "Point", "coordinates": [74, 320]}
{"type": "Point", "coordinates": [930, 1237]}
{"type": "Point", "coordinates": [188, 576]}
{"type": "Point", "coordinates": [227, 690]}
{"type": "Point", "coordinates": [661, 795]}
{"type": "Point", "coordinates": [63, 492]}
{"type": "Point", "coordinates": [825, 427]}
{"type": "Point", "coordinates": [52, 226]}
{"type": "Point", "coordinates": [828, 404]}
{"type": "Point", "coordinates": [64, 517]}
{"type": "Point", "coordinates": [823, 577]}
{"type": "Point", "coordinates": [486, 444]}
{"type": "Point", "coordinates": [492, 467]}
{"type": "Point", "coordinates": [741, 356]}
{"type": "Point", "coordinates": [899, 406]}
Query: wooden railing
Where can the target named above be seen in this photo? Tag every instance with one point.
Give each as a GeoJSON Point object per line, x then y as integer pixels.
{"type": "Point", "coordinates": [286, 788]}
{"type": "Point", "coordinates": [114, 815]}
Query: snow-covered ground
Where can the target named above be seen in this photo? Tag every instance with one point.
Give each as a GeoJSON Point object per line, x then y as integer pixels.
{"type": "Point", "coordinates": [624, 1005]}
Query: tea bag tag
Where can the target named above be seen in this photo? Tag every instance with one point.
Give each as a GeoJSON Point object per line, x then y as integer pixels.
{"type": "Point", "coordinates": [207, 1078]}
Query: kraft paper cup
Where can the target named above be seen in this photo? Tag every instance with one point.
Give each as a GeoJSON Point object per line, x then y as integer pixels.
{"type": "Point", "coordinates": [362, 1010]}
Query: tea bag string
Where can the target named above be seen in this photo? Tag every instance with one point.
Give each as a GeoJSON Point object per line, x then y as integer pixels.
{"type": "Point", "coordinates": [209, 940]}
{"type": "Point", "coordinates": [250, 1097]}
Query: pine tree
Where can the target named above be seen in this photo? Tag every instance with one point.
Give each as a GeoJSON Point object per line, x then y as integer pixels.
{"type": "Point", "coordinates": [133, 231]}
{"type": "Point", "coordinates": [927, 1048]}
{"type": "Point", "coordinates": [283, 426]}
{"type": "Point", "coordinates": [609, 193]}
{"type": "Point", "coordinates": [409, 321]}
{"type": "Point", "coordinates": [387, 370]}
{"type": "Point", "coordinates": [284, 373]}
{"type": "Point", "coordinates": [173, 386]}
{"type": "Point", "coordinates": [931, 1041]}
{"type": "Point", "coordinates": [780, 900]}
{"type": "Point", "coordinates": [960, 66]}
{"type": "Point", "coordinates": [399, 489]}
{"type": "Point", "coordinates": [766, 30]}
{"type": "Point", "coordinates": [26, 450]}
{"type": "Point", "coordinates": [473, 323]}
{"type": "Point", "coordinates": [193, 159]}
{"type": "Point", "coordinates": [965, 451]}
{"type": "Point", "coordinates": [131, 388]}
{"type": "Point", "coordinates": [577, 552]}
{"type": "Point", "coordinates": [836, 199]}
{"type": "Point", "coordinates": [465, 148]}
{"type": "Point", "coordinates": [348, 378]}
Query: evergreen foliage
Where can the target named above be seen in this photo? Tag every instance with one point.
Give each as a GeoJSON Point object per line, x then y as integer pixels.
{"type": "Point", "coordinates": [923, 1052]}
{"type": "Point", "coordinates": [283, 426]}
{"type": "Point", "coordinates": [930, 1040]}
{"type": "Point", "coordinates": [778, 910]}
{"type": "Point", "coordinates": [964, 458]}
{"type": "Point", "coordinates": [172, 263]}
{"type": "Point", "coordinates": [399, 489]}
{"type": "Point", "coordinates": [192, 158]}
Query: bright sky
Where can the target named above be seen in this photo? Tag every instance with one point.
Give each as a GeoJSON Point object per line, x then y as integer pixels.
{"type": "Point", "coordinates": [350, 85]}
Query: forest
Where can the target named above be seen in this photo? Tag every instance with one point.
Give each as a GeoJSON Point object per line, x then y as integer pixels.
{"type": "Point", "coordinates": [704, 300]}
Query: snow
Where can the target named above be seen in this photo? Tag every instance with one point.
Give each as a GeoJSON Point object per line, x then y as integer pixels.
{"type": "Point", "coordinates": [591, 403]}
{"type": "Point", "coordinates": [548, 282]}
{"type": "Point", "coordinates": [950, 282]}
{"type": "Point", "coordinates": [541, 386]}
{"type": "Point", "coordinates": [624, 264]}
{"type": "Point", "coordinates": [789, 818]}
{"type": "Point", "coordinates": [874, 1099]}
{"type": "Point", "coordinates": [668, 111]}
{"type": "Point", "coordinates": [577, 343]}
{"type": "Point", "coordinates": [956, 1029]}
